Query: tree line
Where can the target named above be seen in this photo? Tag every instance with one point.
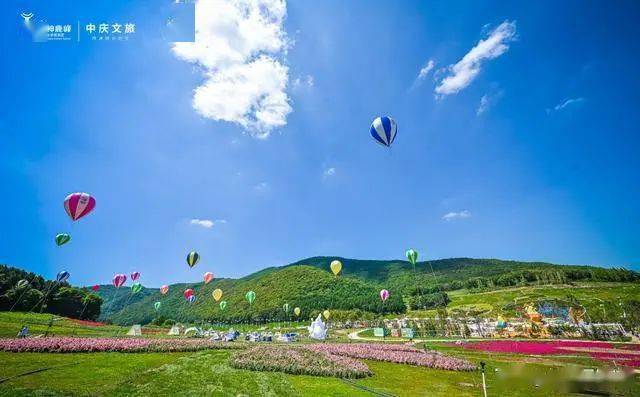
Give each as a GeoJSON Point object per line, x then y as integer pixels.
{"type": "Point", "coordinates": [27, 291]}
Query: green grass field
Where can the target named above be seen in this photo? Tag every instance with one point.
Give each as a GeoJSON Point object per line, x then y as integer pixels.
{"type": "Point", "coordinates": [208, 372]}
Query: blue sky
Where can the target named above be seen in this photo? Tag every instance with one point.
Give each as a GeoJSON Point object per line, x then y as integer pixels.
{"type": "Point", "coordinates": [271, 161]}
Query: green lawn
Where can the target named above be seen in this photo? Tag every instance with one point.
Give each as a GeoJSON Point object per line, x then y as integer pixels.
{"type": "Point", "coordinates": [11, 322]}
{"type": "Point", "coordinates": [207, 373]}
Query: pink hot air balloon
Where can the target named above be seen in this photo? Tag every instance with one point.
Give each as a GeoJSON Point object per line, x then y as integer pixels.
{"type": "Point", "coordinates": [78, 205]}
{"type": "Point", "coordinates": [188, 293]}
{"type": "Point", "coordinates": [384, 295]}
{"type": "Point", "coordinates": [135, 276]}
{"type": "Point", "coordinates": [119, 280]}
{"type": "Point", "coordinates": [164, 289]}
{"type": "Point", "coordinates": [208, 276]}
{"type": "Point", "coordinates": [95, 288]}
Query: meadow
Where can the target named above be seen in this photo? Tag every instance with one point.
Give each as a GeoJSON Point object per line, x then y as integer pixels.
{"type": "Point", "coordinates": [209, 372]}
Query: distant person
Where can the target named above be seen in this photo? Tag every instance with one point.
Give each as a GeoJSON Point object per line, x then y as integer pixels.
{"type": "Point", "coordinates": [24, 332]}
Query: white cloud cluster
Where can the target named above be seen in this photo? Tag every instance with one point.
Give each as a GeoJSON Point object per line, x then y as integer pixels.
{"type": "Point", "coordinates": [565, 103]}
{"type": "Point", "coordinates": [461, 74]}
{"type": "Point", "coordinates": [206, 223]}
{"type": "Point", "coordinates": [450, 216]}
{"type": "Point", "coordinates": [238, 44]}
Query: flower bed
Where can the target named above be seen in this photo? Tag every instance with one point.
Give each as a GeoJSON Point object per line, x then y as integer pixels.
{"type": "Point", "coordinates": [402, 354]}
{"type": "Point", "coordinates": [622, 355]}
{"type": "Point", "coordinates": [298, 360]}
{"type": "Point", "coordinates": [125, 345]}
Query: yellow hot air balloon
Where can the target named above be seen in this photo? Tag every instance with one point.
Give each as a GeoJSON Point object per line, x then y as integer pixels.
{"type": "Point", "coordinates": [296, 311]}
{"type": "Point", "coordinates": [217, 294]}
{"type": "Point", "coordinates": [336, 267]}
{"type": "Point", "coordinates": [326, 314]}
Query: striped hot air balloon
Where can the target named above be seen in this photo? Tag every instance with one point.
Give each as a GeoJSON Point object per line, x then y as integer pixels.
{"type": "Point", "coordinates": [193, 258]}
{"type": "Point", "coordinates": [135, 276]}
{"type": "Point", "coordinates": [383, 130]}
{"type": "Point", "coordinates": [119, 280]}
{"type": "Point", "coordinates": [78, 205]}
{"type": "Point", "coordinates": [62, 276]}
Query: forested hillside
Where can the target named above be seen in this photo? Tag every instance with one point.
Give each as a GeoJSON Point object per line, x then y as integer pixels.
{"type": "Point", "coordinates": [308, 284]}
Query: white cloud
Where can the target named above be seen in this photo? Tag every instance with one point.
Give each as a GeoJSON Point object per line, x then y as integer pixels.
{"type": "Point", "coordinates": [484, 104]}
{"type": "Point", "coordinates": [329, 172]}
{"type": "Point", "coordinates": [261, 187]}
{"type": "Point", "coordinates": [206, 223]}
{"type": "Point", "coordinates": [450, 216]}
{"type": "Point", "coordinates": [306, 81]}
{"type": "Point", "coordinates": [487, 101]}
{"type": "Point", "coordinates": [467, 69]}
{"type": "Point", "coordinates": [428, 67]}
{"type": "Point", "coordinates": [238, 44]}
{"type": "Point", "coordinates": [565, 103]}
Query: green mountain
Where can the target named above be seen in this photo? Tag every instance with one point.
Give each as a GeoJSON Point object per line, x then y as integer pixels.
{"type": "Point", "coordinates": [308, 284]}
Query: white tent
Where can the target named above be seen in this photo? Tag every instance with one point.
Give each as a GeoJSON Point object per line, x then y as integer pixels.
{"type": "Point", "coordinates": [317, 329]}
{"type": "Point", "coordinates": [175, 330]}
{"type": "Point", "coordinates": [135, 330]}
{"type": "Point", "coordinates": [193, 331]}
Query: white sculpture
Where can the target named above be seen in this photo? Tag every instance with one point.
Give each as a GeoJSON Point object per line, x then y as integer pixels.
{"type": "Point", "coordinates": [317, 329]}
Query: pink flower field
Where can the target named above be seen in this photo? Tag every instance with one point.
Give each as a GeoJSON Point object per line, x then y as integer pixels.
{"type": "Point", "coordinates": [125, 345]}
{"type": "Point", "coordinates": [402, 354]}
{"type": "Point", "coordinates": [298, 360]}
{"type": "Point", "coordinates": [626, 354]}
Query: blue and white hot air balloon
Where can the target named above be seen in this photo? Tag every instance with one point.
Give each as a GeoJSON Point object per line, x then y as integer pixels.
{"type": "Point", "coordinates": [383, 130]}
{"type": "Point", "coordinates": [62, 276]}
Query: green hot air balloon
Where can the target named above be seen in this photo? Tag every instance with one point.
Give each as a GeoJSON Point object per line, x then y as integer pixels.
{"type": "Point", "coordinates": [136, 287]}
{"type": "Point", "coordinates": [286, 307]}
{"type": "Point", "coordinates": [223, 305]}
{"type": "Point", "coordinates": [250, 297]}
{"type": "Point", "coordinates": [412, 256]}
{"type": "Point", "coordinates": [157, 305]}
{"type": "Point", "coordinates": [62, 239]}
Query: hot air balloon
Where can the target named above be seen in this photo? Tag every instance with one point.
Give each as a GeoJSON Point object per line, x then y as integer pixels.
{"type": "Point", "coordinates": [223, 305]}
{"type": "Point", "coordinates": [250, 297]}
{"type": "Point", "coordinates": [22, 283]}
{"type": "Point", "coordinates": [164, 289]}
{"type": "Point", "coordinates": [136, 287]}
{"type": "Point", "coordinates": [412, 256]}
{"type": "Point", "coordinates": [119, 280]}
{"type": "Point", "coordinates": [326, 314]}
{"type": "Point", "coordinates": [285, 307]}
{"type": "Point", "coordinates": [135, 276]}
{"type": "Point", "coordinates": [62, 276]}
{"type": "Point", "coordinates": [78, 205]}
{"type": "Point", "coordinates": [62, 239]}
{"type": "Point", "coordinates": [191, 299]}
{"type": "Point", "coordinates": [193, 258]}
{"type": "Point", "coordinates": [217, 294]}
{"type": "Point", "coordinates": [383, 130]}
{"type": "Point", "coordinates": [384, 295]}
{"type": "Point", "coordinates": [208, 276]}
{"type": "Point", "coordinates": [157, 305]}
{"type": "Point", "coordinates": [187, 293]}
{"type": "Point", "coordinates": [95, 288]}
{"type": "Point", "coordinates": [296, 311]}
{"type": "Point", "coordinates": [336, 267]}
